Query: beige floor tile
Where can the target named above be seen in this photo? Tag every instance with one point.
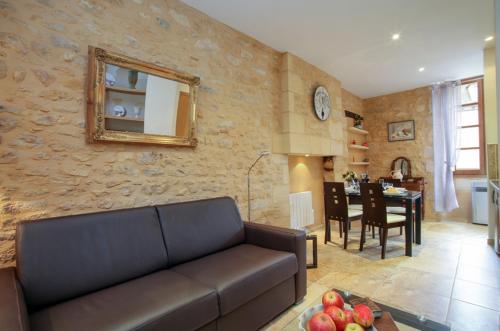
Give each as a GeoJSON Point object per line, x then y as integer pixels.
{"type": "Point", "coordinates": [481, 295]}
{"type": "Point", "coordinates": [479, 275]}
{"type": "Point", "coordinates": [465, 316]}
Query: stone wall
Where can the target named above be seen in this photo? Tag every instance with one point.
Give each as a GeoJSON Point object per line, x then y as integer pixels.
{"type": "Point", "coordinates": [47, 169]}
{"type": "Point", "coordinates": [408, 105]}
{"type": "Point", "coordinates": [301, 132]}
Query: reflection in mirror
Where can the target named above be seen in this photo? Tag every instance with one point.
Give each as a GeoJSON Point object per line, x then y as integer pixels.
{"type": "Point", "coordinates": [145, 103]}
{"type": "Point", "coordinates": [403, 164]}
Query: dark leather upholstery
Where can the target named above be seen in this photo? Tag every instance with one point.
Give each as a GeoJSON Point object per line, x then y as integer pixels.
{"type": "Point", "coordinates": [13, 315]}
{"type": "Point", "coordinates": [198, 228]}
{"type": "Point", "coordinates": [107, 271]}
{"type": "Point", "coordinates": [65, 257]}
{"type": "Point", "coordinates": [240, 273]}
{"type": "Point", "coordinates": [282, 239]}
{"type": "Point", "coordinates": [259, 311]}
{"type": "Point", "coordinates": [161, 301]}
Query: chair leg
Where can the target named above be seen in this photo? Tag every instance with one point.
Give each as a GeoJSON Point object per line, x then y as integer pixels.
{"type": "Point", "coordinates": [327, 231]}
{"type": "Point", "coordinates": [349, 225]}
{"type": "Point", "coordinates": [384, 244]}
{"type": "Point", "coordinates": [346, 231]}
{"type": "Point", "coordinates": [363, 230]}
{"type": "Point", "coordinates": [400, 230]}
{"type": "Point", "coordinates": [341, 228]}
{"type": "Point", "coordinates": [373, 232]}
{"type": "Point", "coordinates": [380, 237]}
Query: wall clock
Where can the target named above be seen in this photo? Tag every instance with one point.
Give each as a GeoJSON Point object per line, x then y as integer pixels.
{"type": "Point", "coordinates": [322, 104]}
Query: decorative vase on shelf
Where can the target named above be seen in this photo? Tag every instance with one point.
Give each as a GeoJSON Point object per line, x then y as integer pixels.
{"type": "Point", "coordinates": [132, 78]}
{"type": "Point", "coordinates": [137, 111]}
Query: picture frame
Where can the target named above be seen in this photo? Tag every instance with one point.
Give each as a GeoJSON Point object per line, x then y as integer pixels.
{"type": "Point", "coordinates": [401, 131]}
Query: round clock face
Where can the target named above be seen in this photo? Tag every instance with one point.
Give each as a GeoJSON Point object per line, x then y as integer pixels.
{"type": "Point", "coordinates": [322, 105]}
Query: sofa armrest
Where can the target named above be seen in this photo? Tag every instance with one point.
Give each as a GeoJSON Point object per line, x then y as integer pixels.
{"type": "Point", "coordinates": [282, 239]}
{"type": "Point", "coordinates": [13, 313]}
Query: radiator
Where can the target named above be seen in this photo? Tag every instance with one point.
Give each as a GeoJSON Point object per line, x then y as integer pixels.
{"type": "Point", "coordinates": [301, 210]}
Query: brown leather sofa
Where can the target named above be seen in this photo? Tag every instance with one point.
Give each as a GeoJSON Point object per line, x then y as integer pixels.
{"type": "Point", "coordinates": [182, 266]}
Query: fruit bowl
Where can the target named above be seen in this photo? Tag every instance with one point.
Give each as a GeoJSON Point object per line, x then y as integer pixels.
{"type": "Point", "coordinates": [308, 313]}
{"type": "Point", "coordinates": [306, 316]}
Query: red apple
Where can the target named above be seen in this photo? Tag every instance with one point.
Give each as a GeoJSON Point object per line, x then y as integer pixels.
{"type": "Point", "coordinates": [321, 322]}
{"type": "Point", "coordinates": [353, 327]}
{"type": "Point", "coordinates": [348, 316]}
{"type": "Point", "coordinates": [338, 317]}
{"type": "Point", "coordinates": [363, 315]}
{"type": "Point", "coordinates": [332, 298]}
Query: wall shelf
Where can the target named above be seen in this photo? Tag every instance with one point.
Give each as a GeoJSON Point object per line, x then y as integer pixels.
{"type": "Point", "coordinates": [359, 163]}
{"type": "Point", "coordinates": [110, 117]}
{"type": "Point", "coordinates": [125, 90]}
{"type": "Point", "coordinates": [358, 131]}
{"type": "Point", "coordinates": [361, 147]}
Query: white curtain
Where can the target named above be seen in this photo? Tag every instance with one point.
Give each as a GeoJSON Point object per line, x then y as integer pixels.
{"type": "Point", "coordinates": [445, 111]}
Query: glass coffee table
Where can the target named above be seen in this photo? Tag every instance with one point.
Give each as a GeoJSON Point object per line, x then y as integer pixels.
{"type": "Point", "coordinates": [405, 321]}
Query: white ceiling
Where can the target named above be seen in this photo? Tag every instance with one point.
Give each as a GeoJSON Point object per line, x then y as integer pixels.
{"type": "Point", "coordinates": [351, 39]}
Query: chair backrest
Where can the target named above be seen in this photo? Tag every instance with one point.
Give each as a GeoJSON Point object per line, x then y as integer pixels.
{"type": "Point", "coordinates": [374, 206]}
{"type": "Point", "coordinates": [335, 201]}
{"type": "Point", "coordinates": [66, 257]}
{"type": "Point", "coordinates": [195, 229]}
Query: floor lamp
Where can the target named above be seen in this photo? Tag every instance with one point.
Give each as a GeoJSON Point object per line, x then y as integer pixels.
{"type": "Point", "coordinates": [261, 155]}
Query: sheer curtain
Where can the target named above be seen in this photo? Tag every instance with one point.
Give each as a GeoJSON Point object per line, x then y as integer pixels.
{"type": "Point", "coordinates": [445, 111]}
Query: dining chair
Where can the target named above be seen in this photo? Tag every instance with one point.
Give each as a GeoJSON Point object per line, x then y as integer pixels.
{"type": "Point", "coordinates": [375, 214]}
{"type": "Point", "coordinates": [336, 209]}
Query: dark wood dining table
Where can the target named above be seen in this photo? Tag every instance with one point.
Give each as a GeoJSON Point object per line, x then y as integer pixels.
{"type": "Point", "coordinates": [408, 199]}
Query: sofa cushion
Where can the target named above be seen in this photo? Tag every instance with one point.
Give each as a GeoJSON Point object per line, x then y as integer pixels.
{"type": "Point", "coordinates": [240, 273]}
{"type": "Point", "coordinates": [198, 228]}
{"type": "Point", "coordinates": [65, 257]}
{"type": "Point", "coordinates": [161, 301]}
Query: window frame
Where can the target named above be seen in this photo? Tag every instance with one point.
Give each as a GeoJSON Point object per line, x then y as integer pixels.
{"type": "Point", "coordinates": [480, 105]}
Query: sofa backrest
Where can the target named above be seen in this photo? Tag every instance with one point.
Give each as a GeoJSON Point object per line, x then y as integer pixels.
{"type": "Point", "coordinates": [198, 228]}
{"type": "Point", "coordinates": [65, 257]}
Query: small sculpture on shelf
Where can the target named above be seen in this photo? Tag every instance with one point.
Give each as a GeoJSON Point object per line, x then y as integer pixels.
{"type": "Point", "coordinates": [365, 178]}
{"type": "Point", "coordinates": [137, 111]}
{"type": "Point", "coordinates": [132, 78]}
{"type": "Point", "coordinates": [353, 142]}
{"type": "Point", "coordinates": [358, 122]}
{"type": "Point", "coordinates": [365, 144]}
{"type": "Point", "coordinates": [119, 111]}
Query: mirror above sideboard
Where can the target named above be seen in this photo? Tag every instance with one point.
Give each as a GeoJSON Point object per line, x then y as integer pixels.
{"type": "Point", "coordinates": [133, 101]}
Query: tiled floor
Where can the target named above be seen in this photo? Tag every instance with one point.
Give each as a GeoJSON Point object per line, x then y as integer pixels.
{"type": "Point", "coordinates": [453, 276]}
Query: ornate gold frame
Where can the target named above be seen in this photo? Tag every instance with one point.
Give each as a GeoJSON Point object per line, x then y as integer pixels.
{"type": "Point", "coordinates": [96, 131]}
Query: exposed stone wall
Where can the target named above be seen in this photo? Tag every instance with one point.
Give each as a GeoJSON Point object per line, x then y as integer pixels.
{"type": "Point", "coordinates": [301, 132]}
{"type": "Point", "coordinates": [409, 105]}
{"type": "Point", "coordinates": [47, 169]}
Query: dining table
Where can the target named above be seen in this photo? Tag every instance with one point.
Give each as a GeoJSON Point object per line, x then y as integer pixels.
{"type": "Point", "coordinates": [408, 199]}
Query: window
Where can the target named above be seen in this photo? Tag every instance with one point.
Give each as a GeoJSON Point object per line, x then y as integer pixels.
{"type": "Point", "coordinates": [470, 142]}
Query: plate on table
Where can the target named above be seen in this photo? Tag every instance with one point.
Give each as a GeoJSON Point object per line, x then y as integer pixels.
{"type": "Point", "coordinates": [309, 312]}
{"type": "Point", "coordinates": [398, 191]}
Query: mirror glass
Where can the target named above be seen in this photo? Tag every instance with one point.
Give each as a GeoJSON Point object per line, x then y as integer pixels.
{"type": "Point", "coordinates": [403, 165]}
{"type": "Point", "coordinates": [144, 103]}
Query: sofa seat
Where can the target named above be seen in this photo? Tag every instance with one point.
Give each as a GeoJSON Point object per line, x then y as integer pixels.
{"type": "Point", "coordinates": [164, 300]}
{"type": "Point", "coordinates": [241, 273]}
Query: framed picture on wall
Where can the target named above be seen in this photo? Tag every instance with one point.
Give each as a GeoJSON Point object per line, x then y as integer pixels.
{"type": "Point", "coordinates": [400, 131]}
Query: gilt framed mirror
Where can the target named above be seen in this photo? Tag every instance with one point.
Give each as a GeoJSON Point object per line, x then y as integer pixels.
{"type": "Point", "coordinates": [132, 101]}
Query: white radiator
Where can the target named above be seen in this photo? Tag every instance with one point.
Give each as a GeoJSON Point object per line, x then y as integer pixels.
{"type": "Point", "coordinates": [301, 210]}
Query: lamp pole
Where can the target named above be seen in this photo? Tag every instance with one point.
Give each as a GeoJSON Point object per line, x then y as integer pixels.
{"type": "Point", "coordinates": [261, 155]}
